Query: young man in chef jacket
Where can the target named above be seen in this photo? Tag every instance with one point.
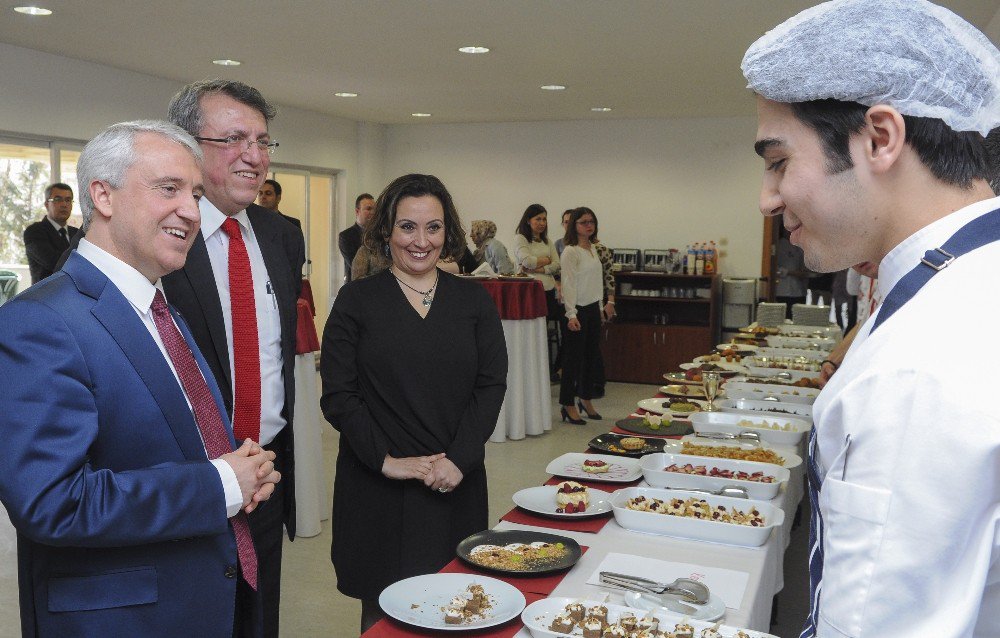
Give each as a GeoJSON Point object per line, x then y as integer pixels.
{"type": "Point", "coordinates": [871, 124]}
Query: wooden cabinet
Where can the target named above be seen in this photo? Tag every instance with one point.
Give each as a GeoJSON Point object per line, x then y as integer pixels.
{"type": "Point", "coordinates": [659, 325]}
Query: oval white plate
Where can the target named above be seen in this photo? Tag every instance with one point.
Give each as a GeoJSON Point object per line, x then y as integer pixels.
{"type": "Point", "coordinates": [542, 500]}
{"type": "Point", "coordinates": [419, 600]}
{"type": "Point", "coordinates": [623, 469]}
{"type": "Point", "coordinates": [656, 405]}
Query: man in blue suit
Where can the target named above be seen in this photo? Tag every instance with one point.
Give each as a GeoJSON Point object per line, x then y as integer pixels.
{"type": "Point", "coordinates": [111, 416]}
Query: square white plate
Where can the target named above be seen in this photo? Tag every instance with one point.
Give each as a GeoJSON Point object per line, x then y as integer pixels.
{"type": "Point", "coordinates": [623, 469]}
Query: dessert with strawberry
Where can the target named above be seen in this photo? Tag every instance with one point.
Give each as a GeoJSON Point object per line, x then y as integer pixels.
{"type": "Point", "coordinates": [596, 466]}
{"type": "Point", "coordinates": [571, 498]}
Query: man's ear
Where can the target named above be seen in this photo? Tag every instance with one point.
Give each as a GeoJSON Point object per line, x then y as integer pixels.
{"type": "Point", "coordinates": [884, 137]}
{"type": "Point", "coordinates": [101, 193]}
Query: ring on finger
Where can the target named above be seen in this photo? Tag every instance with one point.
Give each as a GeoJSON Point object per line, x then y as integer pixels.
{"type": "Point", "coordinates": [443, 490]}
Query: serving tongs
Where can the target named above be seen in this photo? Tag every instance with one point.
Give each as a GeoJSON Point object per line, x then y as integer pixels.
{"type": "Point", "coordinates": [743, 437]}
{"type": "Point", "coordinates": [732, 491]}
{"type": "Point", "coordinates": [690, 591]}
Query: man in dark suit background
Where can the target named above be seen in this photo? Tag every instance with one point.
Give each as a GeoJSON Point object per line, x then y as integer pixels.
{"type": "Point", "coordinates": [118, 469]}
{"type": "Point", "coordinates": [269, 196]}
{"type": "Point", "coordinates": [349, 240]}
{"type": "Point", "coordinates": [45, 241]}
{"type": "Point", "coordinates": [238, 292]}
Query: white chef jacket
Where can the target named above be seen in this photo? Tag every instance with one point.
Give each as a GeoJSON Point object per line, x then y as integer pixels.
{"type": "Point", "coordinates": [908, 451]}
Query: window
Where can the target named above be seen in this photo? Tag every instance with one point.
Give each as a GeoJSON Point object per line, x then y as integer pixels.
{"type": "Point", "coordinates": [24, 174]}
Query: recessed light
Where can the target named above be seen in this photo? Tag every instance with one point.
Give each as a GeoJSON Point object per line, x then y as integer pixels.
{"type": "Point", "coordinates": [474, 49]}
{"type": "Point", "coordinates": [227, 62]}
{"type": "Point", "coordinates": [601, 109]}
{"type": "Point", "coordinates": [33, 11]}
{"type": "Point", "coordinates": [345, 94]}
{"type": "Point", "coordinates": [553, 87]}
{"type": "Point", "coordinates": [420, 114]}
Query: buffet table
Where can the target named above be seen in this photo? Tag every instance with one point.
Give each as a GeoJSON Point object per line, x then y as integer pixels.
{"type": "Point", "coordinates": [527, 406]}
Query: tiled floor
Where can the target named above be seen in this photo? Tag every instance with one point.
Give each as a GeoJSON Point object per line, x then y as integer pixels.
{"type": "Point", "coordinates": [311, 606]}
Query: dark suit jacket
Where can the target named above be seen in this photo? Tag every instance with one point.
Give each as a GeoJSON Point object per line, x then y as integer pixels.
{"type": "Point", "coordinates": [292, 220]}
{"type": "Point", "coordinates": [121, 519]}
{"type": "Point", "coordinates": [349, 241]}
{"type": "Point", "coordinates": [44, 246]}
{"type": "Point", "coordinates": [192, 290]}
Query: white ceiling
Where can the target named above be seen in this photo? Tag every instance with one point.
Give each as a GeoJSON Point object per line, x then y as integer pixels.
{"type": "Point", "coordinates": [643, 58]}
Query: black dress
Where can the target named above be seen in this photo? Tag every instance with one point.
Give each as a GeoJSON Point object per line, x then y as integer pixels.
{"type": "Point", "coordinates": [395, 383]}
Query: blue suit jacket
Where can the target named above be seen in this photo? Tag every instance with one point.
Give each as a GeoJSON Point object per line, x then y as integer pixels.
{"type": "Point", "coordinates": [121, 519]}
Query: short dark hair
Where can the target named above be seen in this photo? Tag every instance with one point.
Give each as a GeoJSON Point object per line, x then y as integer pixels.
{"type": "Point", "coordinates": [360, 198]}
{"type": "Point", "coordinates": [59, 185]}
{"type": "Point", "coordinates": [275, 185]}
{"type": "Point", "coordinates": [954, 157]}
{"type": "Point", "coordinates": [571, 237]}
{"type": "Point", "coordinates": [993, 158]}
{"type": "Point", "coordinates": [524, 226]}
{"type": "Point", "coordinates": [379, 228]}
{"type": "Point", "coordinates": [185, 107]}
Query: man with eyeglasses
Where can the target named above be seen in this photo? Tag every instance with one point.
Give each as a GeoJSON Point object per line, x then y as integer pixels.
{"type": "Point", "coordinates": [46, 240]}
{"type": "Point", "coordinates": [238, 291]}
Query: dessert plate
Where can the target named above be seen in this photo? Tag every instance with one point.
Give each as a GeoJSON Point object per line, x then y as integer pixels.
{"type": "Point", "coordinates": [570, 465]}
{"type": "Point", "coordinates": [656, 405]}
{"type": "Point", "coordinates": [542, 500]}
{"type": "Point", "coordinates": [502, 538]}
{"type": "Point", "coordinates": [611, 443]}
{"type": "Point", "coordinates": [418, 601]}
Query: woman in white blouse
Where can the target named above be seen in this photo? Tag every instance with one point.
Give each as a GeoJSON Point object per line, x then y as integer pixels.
{"type": "Point", "coordinates": [582, 291]}
{"type": "Point", "coordinates": [536, 255]}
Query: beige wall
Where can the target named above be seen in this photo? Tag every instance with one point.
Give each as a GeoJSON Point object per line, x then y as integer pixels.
{"type": "Point", "coordinates": [652, 183]}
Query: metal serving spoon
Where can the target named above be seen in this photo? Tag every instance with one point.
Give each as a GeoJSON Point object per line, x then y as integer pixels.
{"type": "Point", "coordinates": [690, 590]}
{"type": "Point", "coordinates": [734, 491]}
{"type": "Point", "coordinates": [744, 436]}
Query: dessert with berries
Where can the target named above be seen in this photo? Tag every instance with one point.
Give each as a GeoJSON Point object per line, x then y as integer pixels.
{"type": "Point", "coordinates": [596, 466]}
{"type": "Point", "coordinates": [571, 498]}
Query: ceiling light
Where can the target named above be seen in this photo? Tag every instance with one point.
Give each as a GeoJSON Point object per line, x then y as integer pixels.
{"type": "Point", "coordinates": [420, 114]}
{"type": "Point", "coordinates": [227, 62]}
{"type": "Point", "coordinates": [33, 11]}
{"type": "Point", "coordinates": [345, 94]}
{"type": "Point", "coordinates": [475, 49]}
{"type": "Point", "coordinates": [601, 109]}
{"type": "Point", "coordinates": [553, 87]}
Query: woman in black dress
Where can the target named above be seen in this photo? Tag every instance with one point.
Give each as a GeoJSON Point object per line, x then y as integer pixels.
{"type": "Point", "coordinates": [414, 369]}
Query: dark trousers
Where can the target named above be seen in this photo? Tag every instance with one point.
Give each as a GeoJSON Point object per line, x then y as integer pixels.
{"type": "Point", "coordinates": [267, 529]}
{"type": "Point", "coordinates": [581, 356]}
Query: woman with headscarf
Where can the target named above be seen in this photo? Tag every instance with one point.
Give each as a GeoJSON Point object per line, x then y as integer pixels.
{"type": "Point", "coordinates": [489, 248]}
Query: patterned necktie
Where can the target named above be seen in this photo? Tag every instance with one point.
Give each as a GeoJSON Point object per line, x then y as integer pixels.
{"type": "Point", "coordinates": [246, 345]}
{"type": "Point", "coordinates": [208, 418]}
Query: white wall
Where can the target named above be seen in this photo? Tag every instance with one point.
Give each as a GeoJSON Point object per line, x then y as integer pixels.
{"type": "Point", "coordinates": [652, 183]}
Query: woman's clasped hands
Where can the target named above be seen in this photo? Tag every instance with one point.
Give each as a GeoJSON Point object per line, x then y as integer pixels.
{"type": "Point", "coordinates": [436, 471]}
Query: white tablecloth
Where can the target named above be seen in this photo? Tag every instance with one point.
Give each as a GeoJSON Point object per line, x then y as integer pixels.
{"type": "Point", "coordinates": [312, 504]}
{"type": "Point", "coordinates": [527, 408]}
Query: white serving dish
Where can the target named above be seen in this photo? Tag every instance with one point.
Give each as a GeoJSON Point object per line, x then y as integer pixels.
{"type": "Point", "coordinates": [829, 331]}
{"type": "Point", "coordinates": [730, 423]}
{"type": "Point", "coordinates": [656, 476]}
{"type": "Point", "coordinates": [746, 347]}
{"type": "Point", "coordinates": [736, 389]}
{"type": "Point", "coordinates": [749, 405]}
{"type": "Point", "coordinates": [542, 500]}
{"type": "Point", "coordinates": [655, 405]}
{"type": "Point", "coordinates": [812, 355]}
{"type": "Point", "coordinates": [537, 618]}
{"type": "Point", "coordinates": [623, 469]}
{"type": "Point", "coordinates": [820, 344]}
{"type": "Point", "coordinates": [794, 375]}
{"type": "Point", "coordinates": [792, 459]}
{"type": "Point", "coordinates": [692, 528]}
{"type": "Point", "coordinates": [418, 600]}
{"type": "Point", "coordinates": [725, 367]}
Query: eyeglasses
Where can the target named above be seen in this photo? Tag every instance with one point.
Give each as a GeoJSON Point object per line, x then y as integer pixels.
{"type": "Point", "coordinates": [586, 222]}
{"type": "Point", "coordinates": [59, 200]}
{"type": "Point", "coordinates": [237, 141]}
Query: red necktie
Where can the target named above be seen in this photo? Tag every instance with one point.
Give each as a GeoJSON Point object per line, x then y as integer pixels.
{"type": "Point", "coordinates": [246, 345]}
{"type": "Point", "coordinates": [208, 418]}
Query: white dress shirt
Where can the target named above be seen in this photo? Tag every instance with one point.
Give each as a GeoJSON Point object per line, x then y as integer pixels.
{"type": "Point", "coordinates": [526, 254]}
{"type": "Point", "coordinates": [582, 278]}
{"type": "Point", "coordinates": [139, 292]}
{"type": "Point", "coordinates": [272, 386]}
{"type": "Point", "coordinates": [908, 449]}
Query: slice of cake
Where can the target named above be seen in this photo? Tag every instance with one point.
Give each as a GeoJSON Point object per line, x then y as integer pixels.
{"type": "Point", "coordinates": [596, 466]}
{"type": "Point", "coordinates": [562, 624]}
{"type": "Point", "coordinates": [571, 498]}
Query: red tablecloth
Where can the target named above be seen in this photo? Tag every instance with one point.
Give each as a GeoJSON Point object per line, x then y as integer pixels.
{"type": "Point", "coordinates": [588, 525]}
{"type": "Point", "coordinates": [517, 299]}
{"type": "Point", "coordinates": [390, 628]}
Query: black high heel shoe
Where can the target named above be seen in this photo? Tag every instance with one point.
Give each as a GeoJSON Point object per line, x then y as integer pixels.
{"type": "Point", "coordinates": [593, 417]}
{"type": "Point", "coordinates": [566, 417]}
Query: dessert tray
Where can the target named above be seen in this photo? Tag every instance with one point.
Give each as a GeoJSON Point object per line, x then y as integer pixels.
{"type": "Point", "coordinates": [420, 601]}
{"type": "Point", "coordinates": [737, 389]}
{"type": "Point", "coordinates": [656, 404]}
{"type": "Point", "coordinates": [570, 465]}
{"type": "Point", "coordinates": [653, 470]}
{"type": "Point", "coordinates": [611, 443]}
{"type": "Point", "coordinates": [542, 500]}
{"type": "Point", "coordinates": [773, 408]}
{"type": "Point", "coordinates": [778, 429]}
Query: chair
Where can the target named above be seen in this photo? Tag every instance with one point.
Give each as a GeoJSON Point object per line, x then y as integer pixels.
{"type": "Point", "coordinates": [8, 285]}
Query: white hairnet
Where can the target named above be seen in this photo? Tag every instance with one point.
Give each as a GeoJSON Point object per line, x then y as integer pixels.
{"type": "Point", "coordinates": [915, 56]}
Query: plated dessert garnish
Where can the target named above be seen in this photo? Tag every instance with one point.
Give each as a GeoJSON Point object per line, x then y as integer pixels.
{"type": "Point", "coordinates": [571, 498]}
{"type": "Point", "coordinates": [467, 606]}
{"type": "Point", "coordinates": [761, 455]}
{"type": "Point", "coordinates": [517, 556]}
{"type": "Point", "coordinates": [596, 466]}
{"type": "Point", "coordinates": [697, 508]}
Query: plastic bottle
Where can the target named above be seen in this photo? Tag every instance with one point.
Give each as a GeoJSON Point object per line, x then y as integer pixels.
{"type": "Point", "coordinates": [710, 258]}
{"type": "Point", "coordinates": [699, 259]}
{"type": "Point", "coordinates": [687, 262]}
